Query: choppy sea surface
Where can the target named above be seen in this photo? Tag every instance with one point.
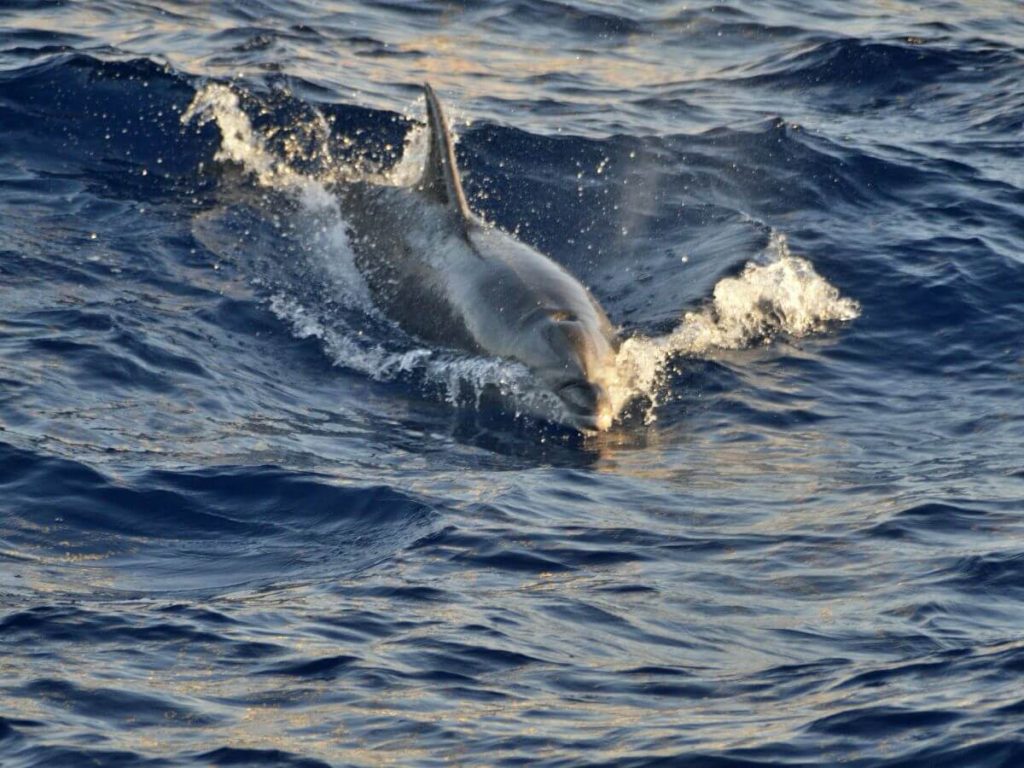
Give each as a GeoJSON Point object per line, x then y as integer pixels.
{"type": "Point", "coordinates": [246, 521]}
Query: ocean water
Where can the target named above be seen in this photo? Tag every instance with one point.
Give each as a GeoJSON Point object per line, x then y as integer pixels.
{"type": "Point", "coordinates": [246, 521]}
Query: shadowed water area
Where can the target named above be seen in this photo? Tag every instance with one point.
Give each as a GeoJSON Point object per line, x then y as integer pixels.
{"type": "Point", "coordinates": [245, 520]}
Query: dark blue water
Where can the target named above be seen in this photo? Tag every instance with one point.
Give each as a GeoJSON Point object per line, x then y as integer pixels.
{"type": "Point", "coordinates": [245, 522]}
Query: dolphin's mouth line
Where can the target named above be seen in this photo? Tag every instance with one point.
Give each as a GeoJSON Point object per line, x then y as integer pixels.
{"type": "Point", "coordinates": [580, 396]}
{"type": "Point", "coordinates": [580, 383]}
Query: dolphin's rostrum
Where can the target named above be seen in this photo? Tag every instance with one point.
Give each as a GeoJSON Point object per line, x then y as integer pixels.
{"type": "Point", "coordinates": [453, 280]}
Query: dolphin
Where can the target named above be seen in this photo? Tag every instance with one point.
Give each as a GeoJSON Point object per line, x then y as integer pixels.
{"type": "Point", "coordinates": [451, 279]}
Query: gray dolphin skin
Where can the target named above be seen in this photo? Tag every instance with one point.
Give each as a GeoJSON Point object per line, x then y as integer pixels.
{"type": "Point", "coordinates": [452, 280]}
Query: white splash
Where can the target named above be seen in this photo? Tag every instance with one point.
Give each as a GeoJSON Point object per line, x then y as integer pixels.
{"type": "Point", "coordinates": [241, 144]}
{"type": "Point", "coordinates": [781, 295]}
{"type": "Point", "coordinates": [460, 379]}
{"type": "Point", "coordinates": [320, 225]}
{"type": "Point", "coordinates": [409, 168]}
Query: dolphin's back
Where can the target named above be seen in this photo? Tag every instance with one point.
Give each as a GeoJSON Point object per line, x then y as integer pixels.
{"type": "Point", "coordinates": [467, 285]}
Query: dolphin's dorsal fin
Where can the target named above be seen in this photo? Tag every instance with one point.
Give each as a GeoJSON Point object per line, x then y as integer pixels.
{"type": "Point", "coordinates": [440, 179]}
